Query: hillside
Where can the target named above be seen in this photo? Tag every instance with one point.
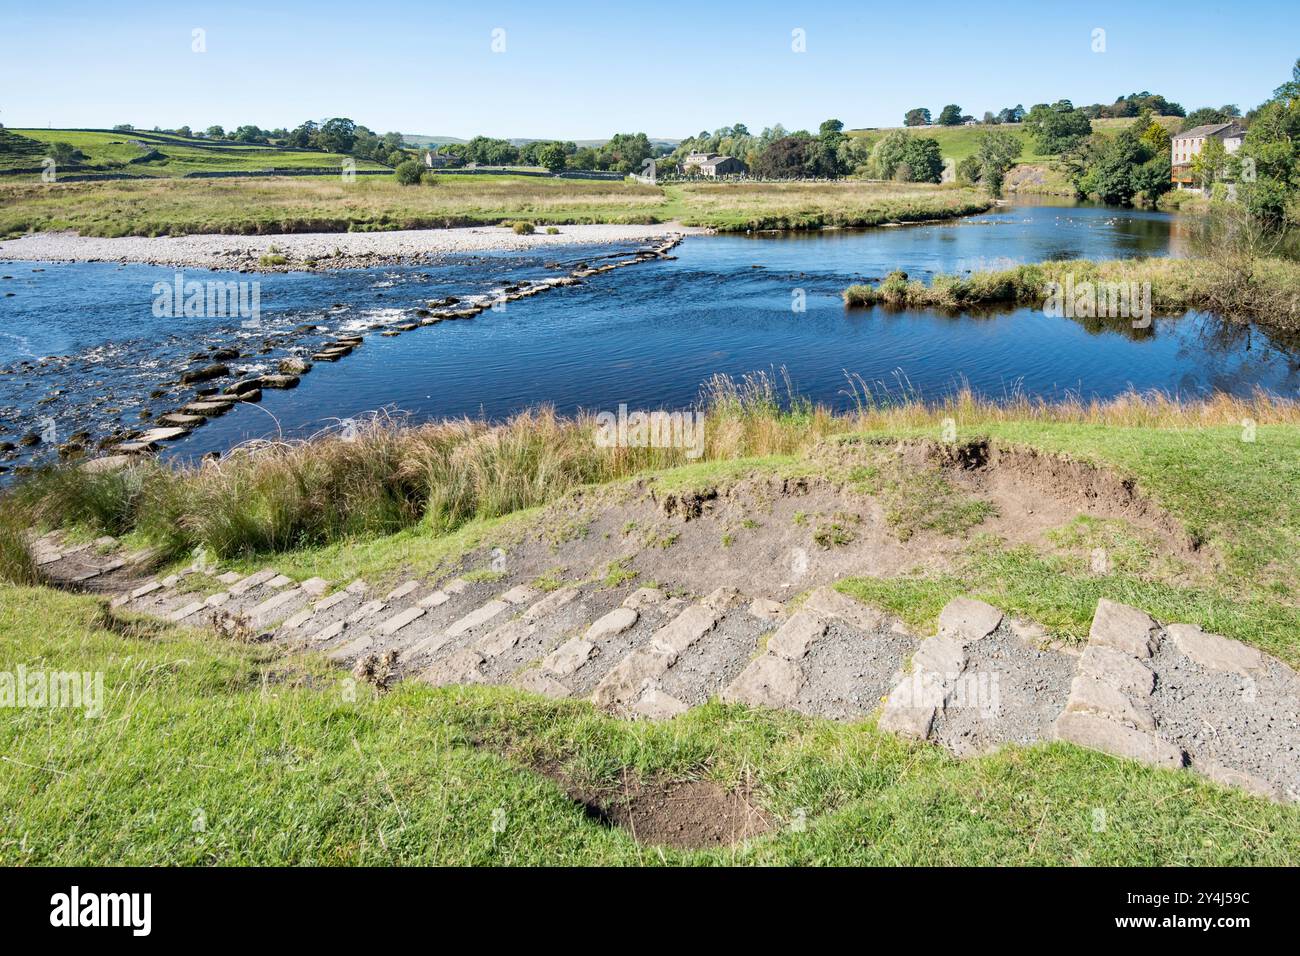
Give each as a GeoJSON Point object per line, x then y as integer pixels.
{"type": "Point", "coordinates": [157, 155]}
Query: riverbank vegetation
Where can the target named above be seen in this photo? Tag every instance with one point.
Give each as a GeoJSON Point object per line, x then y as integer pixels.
{"type": "Point", "coordinates": [320, 204]}
{"type": "Point", "coordinates": [1237, 287]}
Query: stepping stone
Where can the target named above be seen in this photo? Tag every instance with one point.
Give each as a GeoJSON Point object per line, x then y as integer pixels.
{"type": "Point", "coordinates": [315, 586]}
{"type": "Point", "coordinates": [500, 639]}
{"type": "Point", "coordinates": [642, 598]}
{"type": "Point", "coordinates": [462, 667]}
{"type": "Point", "coordinates": [436, 599]}
{"type": "Point", "coordinates": [475, 618]}
{"type": "Point", "coordinates": [218, 599]}
{"type": "Point", "coordinates": [1238, 778]}
{"type": "Point", "coordinates": [352, 648]}
{"type": "Point", "coordinates": [1121, 671]}
{"type": "Point", "coordinates": [206, 409]}
{"type": "Point", "coordinates": [279, 581]}
{"type": "Point", "coordinates": [399, 621]}
{"type": "Point", "coordinates": [720, 599]}
{"type": "Point", "coordinates": [766, 610]}
{"type": "Point", "coordinates": [629, 677]}
{"type": "Point", "coordinates": [161, 434]}
{"type": "Point", "coordinates": [768, 681]}
{"type": "Point", "coordinates": [1123, 628]}
{"type": "Point", "coordinates": [1214, 652]}
{"type": "Point", "coordinates": [329, 356]}
{"type": "Point", "coordinates": [455, 585]}
{"type": "Point", "coordinates": [107, 463]}
{"type": "Point", "coordinates": [941, 656]}
{"type": "Point", "coordinates": [1098, 733]}
{"type": "Point", "coordinates": [328, 633]}
{"type": "Point", "coordinates": [550, 604]}
{"type": "Point", "coordinates": [402, 590]}
{"type": "Point", "coordinates": [539, 683]}
{"type": "Point", "coordinates": [144, 589]}
{"type": "Point", "coordinates": [654, 704]}
{"type": "Point", "coordinates": [968, 620]}
{"type": "Point", "coordinates": [686, 628]}
{"type": "Point", "coordinates": [569, 656]}
{"type": "Point", "coordinates": [279, 381]}
{"type": "Point", "coordinates": [793, 638]}
{"type": "Point", "coordinates": [182, 420]}
{"type": "Point", "coordinates": [615, 622]}
{"type": "Point", "coordinates": [369, 609]}
{"type": "Point", "coordinates": [192, 608]}
{"type": "Point", "coordinates": [230, 577]}
{"type": "Point", "coordinates": [357, 587]}
{"type": "Point", "coordinates": [130, 449]}
{"type": "Point", "coordinates": [257, 579]}
{"type": "Point", "coordinates": [324, 604]}
{"type": "Point", "coordinates": [520, 594]}
{"type": "Point", "coordinates": [1090, 696]}
{"type": "Point", "coordinates": [299, 619]}
{"type": "Point", "coordinates": [831, 603]}
{"type": "Point", "coordinates": [264, 612]}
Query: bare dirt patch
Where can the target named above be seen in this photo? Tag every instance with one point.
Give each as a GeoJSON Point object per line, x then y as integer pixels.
{"type": "Point", "coordinates": [684, 814]}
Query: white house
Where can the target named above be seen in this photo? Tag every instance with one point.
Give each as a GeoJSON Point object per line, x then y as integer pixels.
{"type": "Point", "coordinates": [1185, 146]}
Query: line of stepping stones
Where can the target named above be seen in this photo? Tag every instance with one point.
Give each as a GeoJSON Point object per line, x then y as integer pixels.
{"type": "Point", "coordinates": [177, 424]}
{"type": "Point", "coordinates": [1166, 695]}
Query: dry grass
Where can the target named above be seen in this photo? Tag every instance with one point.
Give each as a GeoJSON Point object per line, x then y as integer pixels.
{"type": "Point", "coordinates": [269, 497]}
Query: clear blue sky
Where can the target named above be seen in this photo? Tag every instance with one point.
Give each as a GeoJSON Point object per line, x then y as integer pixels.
{"type": "Point", "coordinates": [579, 70]}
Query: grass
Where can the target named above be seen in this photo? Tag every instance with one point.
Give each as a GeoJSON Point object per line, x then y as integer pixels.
{"type": "Point", "coordinates": [1239, 287]}
{"type": "Point", "coordinates": [165, 155]}
{"type": "Point", "coordinates": [328, 204]}
{"type": "Point", "coordinates": [217, 753]}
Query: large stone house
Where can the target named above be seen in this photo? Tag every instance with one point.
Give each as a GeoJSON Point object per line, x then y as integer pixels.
{"type": "Point", "coordinates": [712, 164]}
{"type": "Point", "coordinates": [1184, 147]}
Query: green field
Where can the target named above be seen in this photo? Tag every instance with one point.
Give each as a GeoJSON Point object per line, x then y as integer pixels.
{"type": "Point", "coordinates": [144, 154]}
{"type": "Point", "coordinates": [328, 204]}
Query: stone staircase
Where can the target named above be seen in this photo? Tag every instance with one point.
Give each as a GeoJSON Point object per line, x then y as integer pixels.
{"type": "Point", "coordinates": [1168, 695]}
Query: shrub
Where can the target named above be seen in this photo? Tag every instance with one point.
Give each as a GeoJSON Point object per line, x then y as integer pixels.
{"type": "Point", "coordinates": [523, 228]}
{"type": "Point", "coordinates": [552, 231]}
{"type": "Point", "coordinates": [409, 173]}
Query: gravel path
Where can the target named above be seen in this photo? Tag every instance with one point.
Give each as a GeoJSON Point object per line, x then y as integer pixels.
{"type": "Point", "coordinates": [327, 250]}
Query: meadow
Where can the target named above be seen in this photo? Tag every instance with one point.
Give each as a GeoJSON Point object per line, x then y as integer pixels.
{"type": "Point", "coordinates": [330, 204]}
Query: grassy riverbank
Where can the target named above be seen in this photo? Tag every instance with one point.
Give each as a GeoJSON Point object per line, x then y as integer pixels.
{"type": "Point", "coordinates": [1266, 289]}
{"type": "Point", "coordinates": [318, 204]}
{"type": "Point", "coordinates": [213, 751]}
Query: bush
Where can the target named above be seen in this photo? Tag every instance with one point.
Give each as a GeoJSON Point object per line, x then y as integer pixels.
{"type": "Point", "coordinates": [552, 231]}
{"type": "Point", "coordinates": [409, 173]}
{"type": "Point", "coordinates": [523, 228]}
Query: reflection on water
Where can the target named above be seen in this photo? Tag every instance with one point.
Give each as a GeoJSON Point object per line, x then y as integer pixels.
{"type": "Point", "coordinates": [647, 336]}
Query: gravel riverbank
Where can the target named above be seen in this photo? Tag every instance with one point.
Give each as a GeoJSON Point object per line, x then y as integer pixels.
{"type": "Point", "coordinates": [308, 251]}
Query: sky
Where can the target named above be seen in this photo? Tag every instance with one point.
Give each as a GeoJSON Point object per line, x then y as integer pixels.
{"type": "Point", "coordinates": [579, 70]}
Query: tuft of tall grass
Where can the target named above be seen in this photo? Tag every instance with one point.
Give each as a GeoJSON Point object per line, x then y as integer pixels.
{"type": "Point", "coordinates": [276, 496]}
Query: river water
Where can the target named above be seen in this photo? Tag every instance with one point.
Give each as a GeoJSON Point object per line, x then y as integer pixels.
{"type": "Point", "coordinates": [81, 348]}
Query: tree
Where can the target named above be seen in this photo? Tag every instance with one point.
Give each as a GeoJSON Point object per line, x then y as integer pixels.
{"type": "Point", "coordinates": [888, 153]}
{"type": "Point", "coordinates": [409, 173]}
{"type": "Point", "coordinates": [1156, 138]}
{"type": "Point", "coordinates": [922, 159]}
{"type": "Point", "coordinates": [1211, 162]}
{"type": "Point", "coordinates": [830, 129]}
{"type": "Point", "coordinates": [1205, 116]}
{"type": "Point", "coordinates": [65, 154]}
{"type": "Point", "coordinates": [1058, 127]}
{"type": "Point", "coordinates": [216, 132]}
{"type": "Point", "coordinates": [995, 152]}
{"type": "Point", "coordinates": [950, 115]}
{"type": "Point", "coordinates": [1270, 156]}
{"type": "Point", "coordinates": [552, 156]}
{"type": "Point", "coordinates": [625, 152]}
{"type": "Point", "coordinates": [337, 135]}
{"type": "Point", "coordinates": [917, 117]}
{"type": "Point", "coordinates": [786, 158]}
